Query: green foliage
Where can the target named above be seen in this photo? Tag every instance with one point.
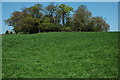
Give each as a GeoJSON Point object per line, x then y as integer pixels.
{"type": "Point", "coordinates": [60, 55]}
{"type": "Point", "coordinates": [37, 18]}
{"type": "Point", "coordinates": [55, 28]}
{"type": "Point", "coordinates": [64, 11]}
{"type": "Point", "coordinates": [67, 29]}
{"type": "Point", "coordinates": [99, 24]}
{"type": "Point", "coordinates": [51, 10]}
{"type": "Point", "coordinates": [81, 18]}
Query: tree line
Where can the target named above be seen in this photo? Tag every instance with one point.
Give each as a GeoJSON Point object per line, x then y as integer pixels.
{"type": "Point", "coordinates": [54, 18]}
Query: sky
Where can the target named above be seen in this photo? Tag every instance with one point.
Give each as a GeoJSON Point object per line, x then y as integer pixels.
{"type": "Point", "coordinates": [107, 10]}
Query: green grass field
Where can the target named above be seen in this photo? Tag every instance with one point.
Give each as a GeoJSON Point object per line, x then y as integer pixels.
{"type": "Point", "coordinates": [60, 55]}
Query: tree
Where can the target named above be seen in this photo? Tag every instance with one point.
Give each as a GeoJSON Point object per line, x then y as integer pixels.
{"type": "Point", "coordinates": [64, 10]}
{"type": "Point", "coordinates": [99, 24]}
{"type": "Point", "coordinates": [35, 11]}
{"type": "Point", "coordinates": [57, 17]}
{"type": "Point", "coordinates": [53, 13]}
{"type": "Point", "coordinates": [45, 25]}
{"type": "Point", "coordinates": [37, 18]}
{"type": "Point", "coordinates": [51, 9]}
{"type": "Point", "coordinates": [81, 18]}
{"type": "Point", "coordinates": [16, 17]}
{"type": "Point", "coordinates": [27, 20]}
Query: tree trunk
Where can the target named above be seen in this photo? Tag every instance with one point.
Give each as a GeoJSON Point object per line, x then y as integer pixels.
{"type": "Point", "coordinates": [63, 21]}
{"type": "Point", "coordinates": [38, 29]}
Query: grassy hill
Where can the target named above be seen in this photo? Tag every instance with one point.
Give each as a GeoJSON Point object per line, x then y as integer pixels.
{"type": "Point", "coordinates": [61, 55]}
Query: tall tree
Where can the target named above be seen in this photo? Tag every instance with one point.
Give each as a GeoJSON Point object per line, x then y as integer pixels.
{"type": "Point", "coordinates": [27, 20]}
{"type": "Point", "coordinates": [57, 15]}
{"type": "Point", "coordinates": [35, 11]}
{"type": "Point", "coordinates": [81, 17]}
{"type": "Point", "coordinates": [51, 9]}
{"type": "Point", "coordinates": [16, 17]}
{"type": "Point", "coordinates": [99, 24]}
{"type": "Point", "coordinates": [64, 10]}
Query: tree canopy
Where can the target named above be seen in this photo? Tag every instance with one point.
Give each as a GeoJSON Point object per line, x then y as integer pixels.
{"type": "Point", "coordinates": [37, 18]}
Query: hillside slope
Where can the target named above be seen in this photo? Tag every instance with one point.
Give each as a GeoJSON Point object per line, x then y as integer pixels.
{"type": "Point", "coordinates": [60, 55]}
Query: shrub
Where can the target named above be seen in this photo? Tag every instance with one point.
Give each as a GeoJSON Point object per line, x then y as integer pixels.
{"type": "Point", "coordinates": [7, 32]}
{"type": "Point", "coordinates": [11, 32]}
{"type": "Point", "coordinates": [67, 29]}
{"type": "Point", "coordinates": [55, 28]}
